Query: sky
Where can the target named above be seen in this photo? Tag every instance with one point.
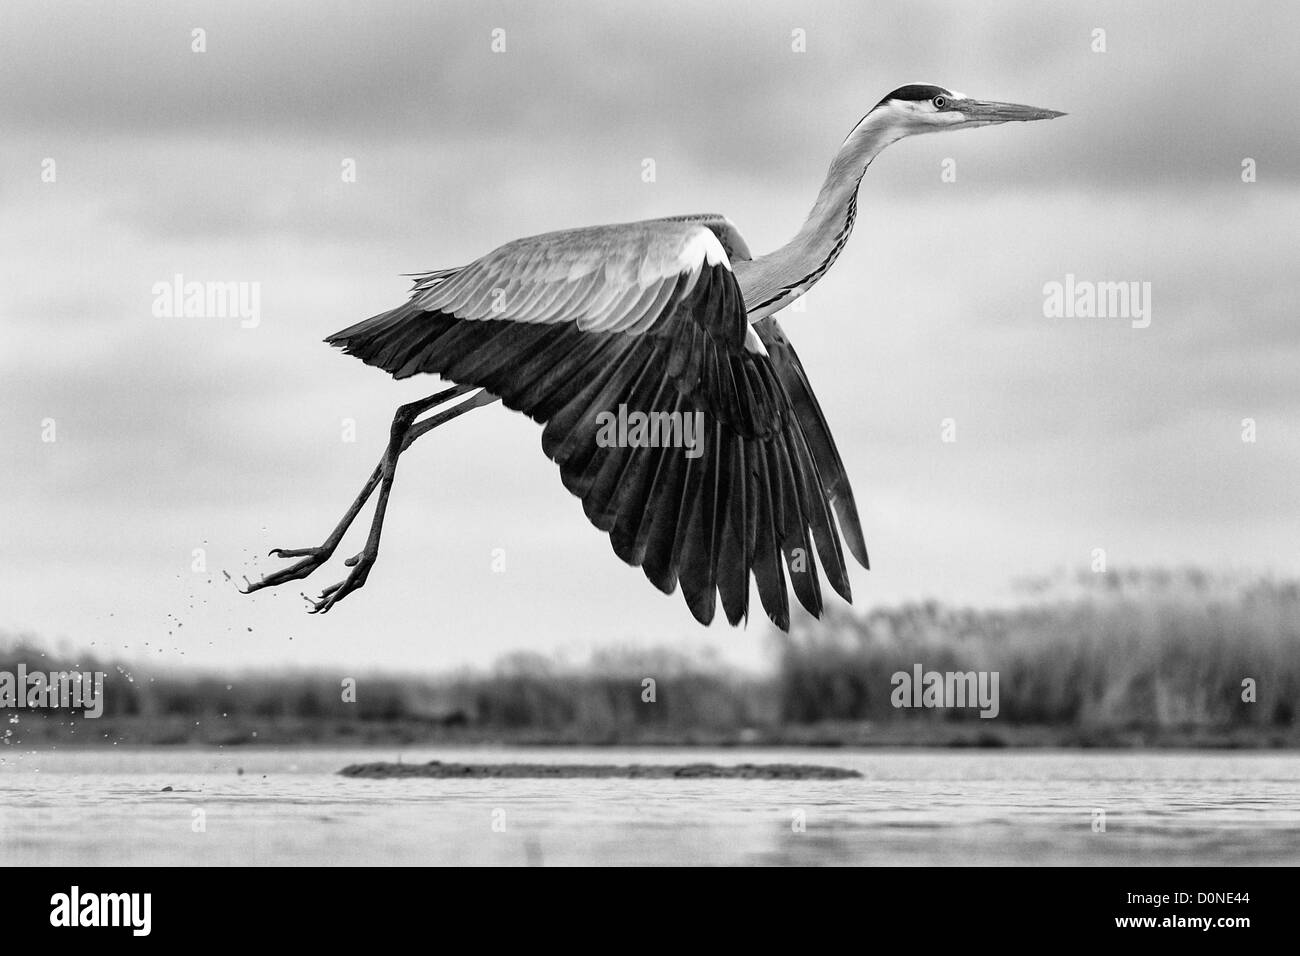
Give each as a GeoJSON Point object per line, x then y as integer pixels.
{"type": "Point", "coordinates": [185, 447]}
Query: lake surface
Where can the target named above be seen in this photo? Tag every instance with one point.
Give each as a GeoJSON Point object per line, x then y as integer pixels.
{"type": "Point", "coordinates": [910, 807]}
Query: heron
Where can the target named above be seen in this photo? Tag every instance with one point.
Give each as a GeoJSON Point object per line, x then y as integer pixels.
{"type": "Point", "coordinates": [674, 319]}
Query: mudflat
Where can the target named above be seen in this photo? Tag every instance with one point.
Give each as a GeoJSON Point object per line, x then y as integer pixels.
{"type": "Point", "coordinates": [569, 771]}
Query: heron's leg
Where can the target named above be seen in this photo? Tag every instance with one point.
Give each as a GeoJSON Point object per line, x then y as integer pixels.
{"type": "Point", "coordinates": [404, 432]}
{"type": "Point", "coordinates": [313, 558]}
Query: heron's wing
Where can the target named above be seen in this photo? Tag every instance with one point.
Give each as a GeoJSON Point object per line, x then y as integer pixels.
{"type": "Point", "coordinates": [835, 481]}
{"type": "Point", "coordinates": [733, 243]}
{"type": "Point", "coordinates": [590, 328]}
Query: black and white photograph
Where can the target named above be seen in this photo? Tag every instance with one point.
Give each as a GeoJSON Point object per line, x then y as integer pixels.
{"type": "Point", "coordinates": [754, 433]}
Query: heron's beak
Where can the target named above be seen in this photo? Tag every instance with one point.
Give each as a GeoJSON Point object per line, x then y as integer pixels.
{"type": "Point", "coordinates": [983, 112]}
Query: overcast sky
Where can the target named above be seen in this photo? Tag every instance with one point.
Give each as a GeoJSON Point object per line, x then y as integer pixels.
{"type": "Point", "coordinates": [1072, 433]}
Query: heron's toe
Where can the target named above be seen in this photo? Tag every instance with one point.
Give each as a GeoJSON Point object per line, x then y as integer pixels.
{"type": "Point", "coordinates": [312, 558]}
{"type": "Point", "coordinates": [356, 579]}
{"type": "Point", "coordinates": [298, 553]}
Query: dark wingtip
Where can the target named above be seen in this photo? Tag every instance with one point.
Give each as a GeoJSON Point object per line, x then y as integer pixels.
{"type": "Point", "coordinates": [703, 606]}
{"type": "Point", "coordinates": [734, 617]}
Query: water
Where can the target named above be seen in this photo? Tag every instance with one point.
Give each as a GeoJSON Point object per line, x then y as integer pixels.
{"type": "Point", "coordinates": [911, 807]}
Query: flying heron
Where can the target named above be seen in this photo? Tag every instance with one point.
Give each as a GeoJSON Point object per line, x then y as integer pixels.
{"type": "Point", "coordinates": [673, 319]}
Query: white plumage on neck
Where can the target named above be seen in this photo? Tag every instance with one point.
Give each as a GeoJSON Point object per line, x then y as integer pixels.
{"type": "Point", "coordinates": [773, 281]}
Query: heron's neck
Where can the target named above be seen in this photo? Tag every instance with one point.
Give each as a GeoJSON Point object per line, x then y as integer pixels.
{"type": "Point", "coordinates": [786, 273]}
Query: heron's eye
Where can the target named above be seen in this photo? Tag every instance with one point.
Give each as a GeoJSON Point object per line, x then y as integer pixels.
{"type": "Point", "coordinates": [940, 102]}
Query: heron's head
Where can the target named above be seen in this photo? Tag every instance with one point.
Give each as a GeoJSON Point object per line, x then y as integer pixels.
{"type": "Point", "coordinates": [927, 109]}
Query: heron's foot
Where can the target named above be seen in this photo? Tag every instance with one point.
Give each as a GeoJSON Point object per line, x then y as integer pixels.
{"type": "Point", "coordinates": [356, 579]}
{"type": "Point", "coordinates": [312, 558]}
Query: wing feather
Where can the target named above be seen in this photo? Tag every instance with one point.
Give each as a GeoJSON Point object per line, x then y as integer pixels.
{"type": "Point", "coordinates": [835, 480]}
{"type": "Point", "coordinates": [572, 327]}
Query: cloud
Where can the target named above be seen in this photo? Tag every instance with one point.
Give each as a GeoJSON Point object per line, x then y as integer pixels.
{"type": "Point", "coordinates": [1170, 100]}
